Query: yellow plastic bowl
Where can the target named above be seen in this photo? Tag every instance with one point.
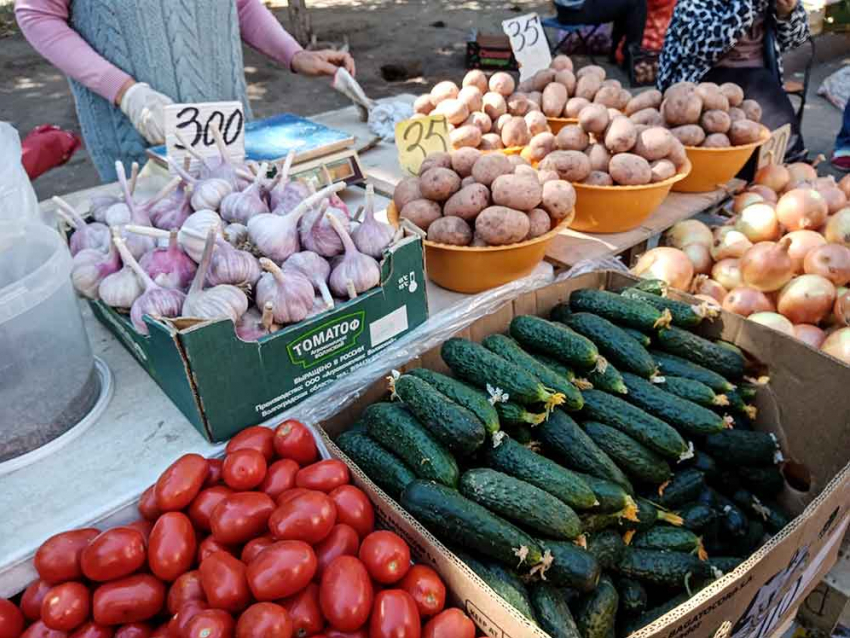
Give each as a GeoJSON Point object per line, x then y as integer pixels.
{"type": "Point", "coordinates": [713, 167]}
{"type": "Point", "coordinates": [471, 269]}
{"type": "Point", "coordinates": [557, 123]}
{"type": "Point", "coordinates": [616, 209]}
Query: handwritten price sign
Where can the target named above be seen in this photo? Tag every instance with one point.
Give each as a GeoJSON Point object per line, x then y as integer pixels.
{"type": "Point", "coordinates": [418, 137]}
{"type": "Point", "coordinates": [195, 123]}
{"type": "Point", "coordinates": [773, 150]}
{"type": "Point", "coordinates": [529, 44]}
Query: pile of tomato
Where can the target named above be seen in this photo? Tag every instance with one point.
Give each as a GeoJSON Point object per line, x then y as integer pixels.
{"type": "Point", "coordinates": [269, 542]}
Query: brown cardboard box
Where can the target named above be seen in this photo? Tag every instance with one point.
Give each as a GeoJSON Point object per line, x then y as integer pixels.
{"type": "Point", "coordinates": [807, 406]}
{"type": "Point", "coordinates": [828, 606]}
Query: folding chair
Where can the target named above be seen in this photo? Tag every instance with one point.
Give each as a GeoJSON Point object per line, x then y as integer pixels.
{"type": "Point", "coordinates": [571, 30]}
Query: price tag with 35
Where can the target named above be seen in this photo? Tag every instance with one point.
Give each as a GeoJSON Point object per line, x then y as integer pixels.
{"type": "Point", "coordinates": [529, 44]}
{"type": "Point", "coordinates": [418, 137]}
{"type": "Point", "coordinates": [195, 124]}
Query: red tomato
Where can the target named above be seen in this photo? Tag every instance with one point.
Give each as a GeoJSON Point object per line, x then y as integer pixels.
{"type": "Point", "coordinates": [342, 541]}
{"type": "Point", "coordinates": [161, 631]}
{"type": "Point", "coordinates": [178, 626]}
{"type": "Point", "coordinates": [144, 527]}
{"type": "Point", "coordinates": [240, 517]}
{"type": "Point", "coordinates": [386, 556]}
{"type": "Point", "coordinates": [309, 517]}
{"type": "Point", "coordinates": [452, 623]}
{"type": "Point", "coordinates": [281, 570]}
{"type": "Point", "coordinates": [254, 438]}
{"type": "Point", "coordinates": [304, 610]}
{"type": "Point", "coordinates": [427, 589]}
{"type": "Point", "coordinates": [134, 630]}
{"type": "Point", "coordinates": [244, 469]}
{"type": "Point", "coordinates": [346, 594]}
{"type": "Point", "coordinates": [214, 473]}
{"type": "Point", "coordinates": [147, 504]}
{"type": "Point", "coordinates": [58, 558]}
{"type": "Point", "coordinates": [181, 482]}
{"type": "Point", "coordinates": [394, 615]}
{"type": "Point", "coordinates": [211, 623]}
{"type": "Point", "coordinates": [335, 633]}
{"type": "Point", "coordinates": [354, 508]}
{"type": "Point", "coordinates": [224, 582]}
{"type": "Point", "coordinates": [172, 547]}
{"type": "Point", "coordinates": [264, 620]}
{"type": "Point", "coordinates": [187, 587]}
{"type": "Point", "coordinates": [33, 596]}
{"type": "Point", "coordinates": [39, 630]}
{"type": "Point", "coordinates": [204, 504]}
{"type": "Point", "coordinates": [130, 599]}
{"type": "Point", "coordinates": [113, 554]}
{"type": "Point", "coordinates": [279, 477]}
{"type": "Point", "coordinates": [324, 476]}
{"type": "Point", "coordinates": [93, 630]}
{"type": "Point", "coordinates": [254, 547]}
{"type": "Point", "coordinates": [66, 606]}
{"type": "Point", "coordinates": [288, 495]}
{"type": "Point", "coordinates": [293, 440]}
{"type": "Point", "coordinates": [11, 619]}
{"type": "Point", "coordinates": [210, 546]}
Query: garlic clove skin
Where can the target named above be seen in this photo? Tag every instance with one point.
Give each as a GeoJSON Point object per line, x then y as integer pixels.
{"type": "Point", "coordinates": [236, 234]}
{"type": "Point", "coordinates": [120, 289]}
{"type": "Point", "coordinates": [91, 266]}
{"type": "Point", "coordinates": [172, 212]}
{"type": "Point", "coordinates": [231, 266]}
{"type": "Point", "coordinates": [86, 234]}
{"type": "Point", "coordinates": [218, 302]}
{"type": "Point", "coordinates": [354, 269]}
{"type": "Point", "coordinates": [118, 215]}
{"type": "Point", "coordinates": [253, 325]}
{"type": "Point", "coordinates": [241, 206]}
{"type": "Point", "coordinates": [319, 306]}
{"type": "Point", "coordinates": [193, 232]}
{"type": "Point", "coordinates": [285, 199]}
{"type": "Point", "coordinates": [209, 193]}
{"type": "Point", "coordinates": [274, 236]}
{"type": "Point", "coordinates": [290, 294]}
{"type": "Point", "coordinates": [100, 204]}
{"type": "Point", "coordinates": [157, 303]}
{"type": "Point", "coordinates": [372, 237]}
{"type": "Point", "coordinates": [319, 236]}
{"type": "Point", "coordinates": [169, 267]}
{"type": "Point", "coordinates": [316, 269]}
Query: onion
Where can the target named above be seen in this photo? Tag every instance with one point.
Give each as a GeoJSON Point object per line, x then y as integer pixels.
{"type": "Point", "coordinates": [769, 195]}
{"type": "Point", "coordinates": [759, 223]}
{"type": "Point", "coordinates": [806, 299]}
{"type": "Point", "coordinates": [729, 243]}
{"type": "Point", "coordinates": [844, 185]}
{"type": "Point", "coordinates": [838, 345]}
{"type": "Point", "coordinates": [841, 307]}
{"type": "Point", "coordinates": [727, 272]}
{"type": "Point", "coordinates": [700, 257]}
{"type": "Point", "coordinates": [689, 231]}
{"type": "Point", "coordinates": [838, 228]}
{"type": "Point", "coordinates": [667, 264]}
{"type": "Point", "coordinates": [809, 334]}
{"type": "Point", "coordinates": [746, 301]}
{"type": "Point", "coordinates": [831, 261]}
{"type": "Point", "coordinates": [835, 198]}
{"type": "Point", "coordinates": [702, 286]}
{"type": "Point", "coordinates": [799, 209]}
{"type": "Point", "coordinates": [744, 200]}
{"type": "Point", "coordinates": [773, 320]}
{"type": "Point", "coordinates": [767, 266]}
{"type": "Point", "coordinates": [802, 241]}
{"type": "Point", "coordinates": [774, 176]}
{"type": "Point", "coordinates": [802, 172]}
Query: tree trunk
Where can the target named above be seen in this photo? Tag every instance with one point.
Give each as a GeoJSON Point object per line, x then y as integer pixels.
{"type": "Point", "coordinates": [299, 20]}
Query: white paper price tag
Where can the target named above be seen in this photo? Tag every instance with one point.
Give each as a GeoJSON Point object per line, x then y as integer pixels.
{"type": "Point", "coordinates": [195, 124]}
{"type": "Point", "coordinates": [529, 44]}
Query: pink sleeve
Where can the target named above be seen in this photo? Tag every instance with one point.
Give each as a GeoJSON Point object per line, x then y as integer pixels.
{"type": "Point", "coordinates": [261, 30]}
{"type": "Point", "coordinates": [44, 23]}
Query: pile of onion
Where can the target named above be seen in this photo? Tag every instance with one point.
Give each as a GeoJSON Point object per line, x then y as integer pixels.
{"type": "Point", "coordinates": [802, 242]}
{"type": "Point", "coordinates": [747, 301]}
{"type": "Point", "coordinates": [802, 208]}
{"type": "Point", "coordinates": [806, 299]}
{"type": "Point", "coordinates": [727, 272]}
{"type": "Point", "coordinates": [767, 265]}
{"type": "Point", "coordinates": [837, 229]}
{"type": "Point", "coordinates": [773, 176]}
{"type": "Point", "coordinates": [831, 261]}
{"type": "Point", "coordinates": [758, 222]}
{"type": "Point", "coordinates": [670, 265]}
{"type": "Point", "coordinates": [838, 345]}
{"type": "Point", "coordinates": [773, 320]}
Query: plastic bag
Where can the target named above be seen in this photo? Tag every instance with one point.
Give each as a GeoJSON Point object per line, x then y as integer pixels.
{"type": "Point", "coordinates": [18, 202]}
{"type": "Point", "coordinates": [836, 88]}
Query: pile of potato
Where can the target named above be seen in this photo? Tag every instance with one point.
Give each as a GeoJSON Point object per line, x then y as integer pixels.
{"type": "Point", "coordinates": [470, 198]}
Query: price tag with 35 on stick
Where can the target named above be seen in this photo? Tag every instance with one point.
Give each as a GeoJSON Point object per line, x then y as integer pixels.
{"type": "Point", "coordinates": [418, 137]}
{"type": "Point", "coordinates": [203, 130]}
{"type": "Point", "coordinates": [529, 44]}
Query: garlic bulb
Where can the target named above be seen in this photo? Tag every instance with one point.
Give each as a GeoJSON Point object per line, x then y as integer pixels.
{"type": "Point", "coordinates": [318, 235]}
{"type": "Point", "coordinates": [172, 211]}
{"type": "Point", "coordinates": [86, 235]}
{"type": "Point", "coordinates": [372, 237]}
{"type": "Point", "coordinates": [355, 271]}
{"type": "Point", "coordinates": [219, 302]}
{"type": "Point", "coordinates": [169, 267]}
{"type": "Point", "coordinates": [231, 266]}
{"type": "Point", "coordinates": [252, 326]}
{"type": "Point", "coordinates": [290, 293]}
{"type": "Point", "coordinates": [241, 206]}
{"type": "Point", "coordinates": [221, 167]}
{"type": "Point", "coordinates": [207, 192]}
{"type": "Point", "coordinates": [101, 203]}
{"type": "Point", "coordinates": [90, 266]}
{"type": "Point", "coordinates": [319, 306]}
{"type": "Point", "coordinates": [236, 234]}
{"type": "Point", "coordinates": [120, 289]}
{"type": "Point", "coordinates": [336, 200]}
{"type": "Point", "coordinates": [285, 195]}
{"type": "Point", "coordinates": [193, 232]}
{"type": "Point", "coordinates": [316, 269]}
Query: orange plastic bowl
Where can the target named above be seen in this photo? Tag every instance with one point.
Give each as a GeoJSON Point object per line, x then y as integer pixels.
{"type": "Point", "coordinates": [616, 209]}
{"type": "Point", "coordinates": [713, 167]}
{"type": "Point", "coordinates": [471, 269]}
{"type": "Point", "coordinates": [557, 123]}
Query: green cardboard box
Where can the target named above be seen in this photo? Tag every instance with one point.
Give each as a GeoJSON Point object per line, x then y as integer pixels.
{"type": "Point", "coordinates": [223, 384]}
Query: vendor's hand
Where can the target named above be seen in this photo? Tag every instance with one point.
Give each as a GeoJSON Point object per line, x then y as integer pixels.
{"type": "Point", "coordinates": [784, 8]}
{"type": "Point", "coordinates": [323, 62]}
{"type": "Point", "coordinates": [146, 110]}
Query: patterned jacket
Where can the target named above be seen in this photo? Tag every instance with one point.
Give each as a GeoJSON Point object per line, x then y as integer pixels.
{"type": "Point", "coordinates": [703, 31]}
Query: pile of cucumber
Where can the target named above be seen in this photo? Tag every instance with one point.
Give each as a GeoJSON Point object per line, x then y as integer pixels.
{"type": "Point", "coordinates": [595, 469]}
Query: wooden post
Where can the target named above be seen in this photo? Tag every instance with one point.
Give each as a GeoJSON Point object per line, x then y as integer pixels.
{"type": "Point", "coordinates": [299, 20]}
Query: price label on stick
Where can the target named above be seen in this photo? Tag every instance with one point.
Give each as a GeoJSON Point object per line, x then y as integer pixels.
{"type": "Point", "coordinates": [194, 124]}
{"type": "Point", "coordinates": [418, 137]}
{"type": "Point", "coordinates": [773, 150]}
{"type": "Point", "coordinates": [529, 44]}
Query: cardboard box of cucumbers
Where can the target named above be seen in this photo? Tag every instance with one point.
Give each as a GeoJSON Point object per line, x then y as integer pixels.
{"type": "Point", "coordinates": [584, 461]}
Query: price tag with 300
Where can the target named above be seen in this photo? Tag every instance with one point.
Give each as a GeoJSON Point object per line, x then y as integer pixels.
{"type": "Point", "coordinates": [529, 44]}
{"type": "Point", "coordinates": [418, 137]}
{"type": "Point", "coordinates": [194, 124]}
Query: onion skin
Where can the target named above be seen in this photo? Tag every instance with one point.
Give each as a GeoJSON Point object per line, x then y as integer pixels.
{"type": "Point", "coordinates": [773, 320]}
{"type": "Point", "coordinates": [759, 223]}
{"type": "Point", "coordinates": [667, 264]}
{"type": "Point", "coordinates": [746, 301]}
{"type": "Point", "coordinates": [729, 243]}
{"type": "Point", "coordinates": [837, 229]}
{"type": "Point", "coordinates": [773, 176]}
{"type": "Point", "coordinates": [844, 185]}
{"type": "Point", "coordinates": [767, 266]}
{"type": "Point", "coordinates": [809, 334]}
{"type": "Point", "coordinates": [802, 242]}
{"type": "Point", "coordinates": [841, 307]}
{"type": "Point", "coordinates": [689, 231]}
{"type": "Point", "coordinates": [837, 345]}
{"type": "Point", "coordinates": [835, 198]}
{"type": "Point", "coordinates": [768, 194]}
{"type": "Point", "coordinates": [806, 299]}
{"type": "Point", "coordinates": [801, 172]}
{"type": "Point", "coordinates": [744, 200]}
{"type": "Point", "coordinates": [831, 261]}
{"type": "Point", "coordinates": [702, 286]}
{"type": "Point", "coordinates": [700, 257]}
{"type": "Point", "coordinates": [710, 301]}
{"type": "Point", "coordinates": [799, 209]}
{"type": "Point", "coordinates": [727, 272]}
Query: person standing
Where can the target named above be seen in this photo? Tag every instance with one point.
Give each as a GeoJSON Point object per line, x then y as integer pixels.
{"type": "Point", "coordinates": [841, 155]}
{"type": "Point", "coordinates": [628, 16]}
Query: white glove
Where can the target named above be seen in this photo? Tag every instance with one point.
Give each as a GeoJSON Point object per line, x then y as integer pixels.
{"type": "Point", "coordinates": [146, 110]}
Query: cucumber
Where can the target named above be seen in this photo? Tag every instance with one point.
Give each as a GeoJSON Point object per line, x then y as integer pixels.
{"type": "Point", "coordinates": [685, 486]}
{"type": "Point", "coordinates": [555, 340]}
{"type": "Point", "coordinates": [704, 463]}
{"type": "Point", "coordinates": [521, 433]}
{"type": "Point", "coordinates": [384, 468]}
{"type": "Point", "coordinates": [452, 517]}
{"type": "Point", "coordinates": [725, 564]}
{"type": "Point", "coordinates": [510, 350]}
{"type": "Point", "coordinates": [608, 379]}
{"type": "Point", "coordinates": [662, 567]}
{"type": "Point", "coordinates": [597, 612]}
{"type": "Point", "coordinates": [749, 391]}
{"type": "Point", "coordinates": [669, 539]}
{"type": "Point", "coordinates": [504, 582]}
{"type": "Point", "coordinates": [471, 398]}
{"type": "Point", "coordinates": [451, 424]}
{"type": "Point", "coordinates": [638, 461]}
{"type": "Point", "coordinates": [654, 286]}
{"type": "Point", "coordinates": [653, 614]}
{"type": "Point", "coordinates": [511, 458]}
{"type": "Point", "coordinates": [569, 444]}
{"type": "Point", "coordinates": [672, 365]}
{"type": "Point", "coordinates": [774, 519]}
{"type": "Point", "coordinates": [606, 546]}
{"type": "Point", "coordinates": [745, 546]}
{"type": "Point", "coordinates": [556, 366]}
{"type": "Point", "coordinates": [515, 414]}
{"type": "Point", "coordinates": [687, 417]}
{"type": "Point", "coordinates": [696, 516]}
{"type": "Point", "coordinates": [684, 315]}
{"type": "Point", "coordinates": [733, 521]}
{"type": "Point", "coordinates": [648, 514]}
{"type": "Point", "coordinates": [739, 406]}
{"type": "Point", "coordinates": [612, 497]}
{"type": "Point", "coordinates": [701, 351]}
{"type": "Point", "coordinates": [694, 391]}
{"type": "Point", "coordinates": [396, 429]}
{"type": "Point", "coordinates": [520, 502]}
{"type": "Point", "coordinates": [595, 523]}
{"type": "Point", "coordinates": [637, 335]}
{"type": "Point", "coordinates": [479, 366]}
{"type": "Point", "coordinates": [633, 596]}
{"type": "Point", "coordinates": [620, 310]}
{"type": "Point", "coordinates": [571, 566]}
{"type": "Point", "coordinates": [553, 613]}
{"type": "Point", "coordinates": [358, 426]}
{"type": "Point", "coordinates": [765, 481]}
{"type": "Point", "coordinates": [617, 346]}
{"type": "Point", "coordinates": [642, 427]}
{"type": "Point", "coordinates": [741, 447]}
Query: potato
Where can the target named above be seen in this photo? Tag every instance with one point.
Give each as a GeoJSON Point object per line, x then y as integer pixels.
{"type": "Point", "coordinates": [517, 161]}
{"type": "Point", "coordinates": [535, 97]}
{"type": "Point", "coordinates": [594, 118]}
{"type": "Point", "coordinates": [502, 83]}
{"type": "Point", "coordinates": [647, 100]}
{"type": "Point", "coordinates": [443, 160]}
{"type": "Point", "coordinates": [455, 111]}
{"type": "Point", "coordinates": [598, 178]}
{"type": "Point", "coordinates": [572, 166]}
{"type": "Point", "coordinates": [476, 78]}
{"type": "Point", "coordinates": [736, 114]}
{"type": "Point", "coordinates": [568, 79]}
{"type": "Point", "coordinates": [628, 169]}
{"type": "Point", "coordinates": [554, 99]}
{"type": "Point", "coordinates": [640, 128]}
{"type": "Point", "coordinates": [481, 120]}
{"type": "Point", "coordinates": [491, 142]}
{"type": "Point", "coordinates": [469, 180]}
{"type": "Point", "coordinates": [744, 132]}
{"type": "Point", "coordinates": [477, 241]}
{"type": "Point", "coordinates": [445, 90]}
{"type": "Point", "coordinates": [438, 184]}
{"type": "Point", "coordinates": [561, 63]}
{"type": "Point", "coordinates": [588, 85]}
{"type": "Point", "coordinates": [599, 157]}
{"type": "Point", "coordinates": [662, 169]}
{"type": "Point", "coordinates": [499, 124]}
{"type": "Point", "coordinates": [498, 225]}
{"type": "Point", "coordinates": [463, 159]}
{"type": "Point", "coordinates": [574, 106]}
{"type": "Point", "coordinates": [591, 69]}
{"type": "Point", "coordinates": [472, 97]}
{"type": "Point", "coordinates": [716, 140]}
{"type": "Point", "coordinates": [680, 108]}
{"type": "Point", "coordinates": [688, 87]}
{"type": "Point", "coordinates": [406, 191]}
{"type": "Point", "coordinates": [468, 202]}
{"type": "Point", "coordinates": [572, 138]}
{"type": "Point", "coordinates": [608, 96]}
{"type": "Point", "coordinates": [515, 132]}
{"type": "Point", "coordinates": [559, 198]}
{"type": "Point", "coordinates": [678, 155]}
{"type": "Point", "coordinates": [536, 122]}
{"type": "Point", "coordinates": [494, 105]}
{"type": "Point", "coordinates": [547, 176]}
{"type": "Point", "coordinates": [450, 230]}
{"type": "Point", "coordinates": [518, 104]}
{"type": "Point", "coordinates": [689, 135]}
{"type": "Point", "coordinates": [715, 121]}
{"type": "Point", "coordinates": [423, 105]}
{"type": "Point", "coordinates": [733, 93]}
{"type": "Point", "coordinates": [752, 110]}
{"type": "Point", "coordinates": [712, 98]}
{"type": "Point", "coordinates": [421, 212]}
{"type": "Point", "coordinates": [539, 147]}
{"type": "Point", "coordinates": [623, 100]}
{"type": "Point", "coordinates": [465, 136]}
{"type": "Point", "coordinates": [621, 135]}
{"type": "Point", "coordinates": [516, 191]}
{"type": "Point", "coordinates": [540, 223]}
{"type": "Point", "coordinates": [649, 117]}
{"type": "Point", "coordinates": [542, 78]}
{"type": "Point", "coordinates": [525, 170]}
{"type": "Point", "coordinates": [489, 167]}
{"type": "Point", "coordinates": [654, 143]}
